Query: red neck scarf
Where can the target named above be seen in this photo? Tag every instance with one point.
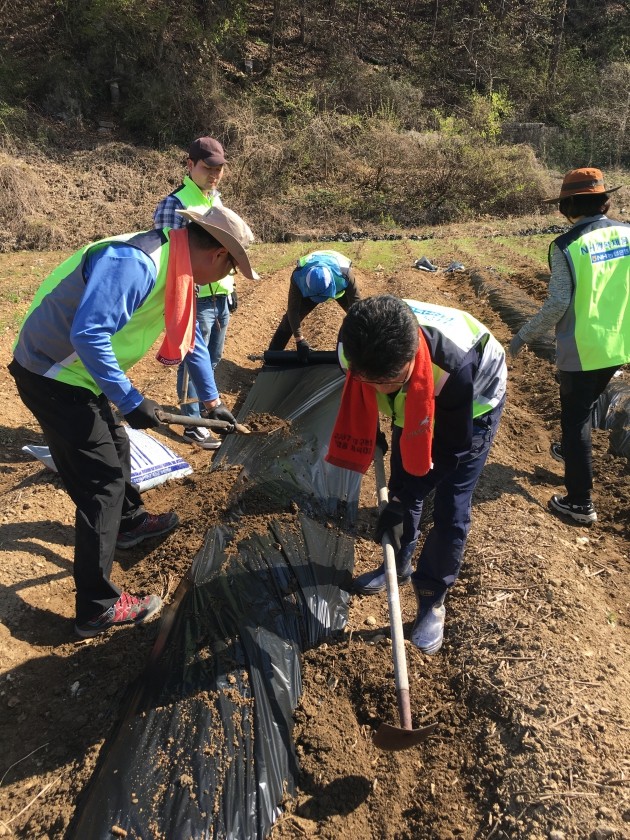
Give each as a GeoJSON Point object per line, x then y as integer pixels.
{"type": "Point", "coordinates": [354, 435]}
{"type": "Point", "coordinates": [179, 302]}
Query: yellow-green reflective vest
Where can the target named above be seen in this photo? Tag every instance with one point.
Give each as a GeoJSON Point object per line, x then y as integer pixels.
{"type": "Point", "coordinates": [192, 198]}
{"type": "Point", "coordinates": [130, 343]}
{"type": "Point", "coordinates": [338, 263]}
{"type": "Point", "coordinates": [594, 332]}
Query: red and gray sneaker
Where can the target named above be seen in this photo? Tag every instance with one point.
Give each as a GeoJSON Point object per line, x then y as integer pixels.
{"type": "Point", "coordinates": [155, 525]}
{"type": "Point", "coordinates": [585, 513]}
{"type": "Point", "coordinates": [127, 610]}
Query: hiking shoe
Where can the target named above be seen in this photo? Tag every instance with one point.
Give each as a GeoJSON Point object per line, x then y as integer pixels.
{"type": "Point", "coordinates": [127, 610]}
{"type": "Point", "coordinates": [153, 526]}
{"type": "Point", "coordinates": [555, 450]}
{"type": "Point", "coordinates": [579, 513]}
{"type": "Point", "coordinates": [202, 437]}
{"type": "Point", "coordinates": [372, 582]}
{"type": "Point", "coordinates": [427, 632]}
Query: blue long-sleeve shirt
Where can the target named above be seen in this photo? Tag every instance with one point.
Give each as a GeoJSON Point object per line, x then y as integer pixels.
{"type": "Point", "coordinates": [117, 281]}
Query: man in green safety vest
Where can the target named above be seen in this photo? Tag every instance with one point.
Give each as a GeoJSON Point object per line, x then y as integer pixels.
{"type": "Point", "coordinates": [215, 301]}
{"type": "Point", "coordinates": [589, 304]}
{"type": "Point", "coordinates": [94, 317]}
{"type": "Point", "coordinates": [317, 277]}
{"type": "Point", "coordinates": [441, 376]}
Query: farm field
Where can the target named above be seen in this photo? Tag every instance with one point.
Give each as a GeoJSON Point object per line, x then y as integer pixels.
{"type": "Point", "coordinates": [531, 691]}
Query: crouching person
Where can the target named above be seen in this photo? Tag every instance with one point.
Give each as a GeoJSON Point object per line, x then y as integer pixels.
{"type": "Point", "coordinates": [96, 315]}
{"type": "Point", "coordinates": [441, 376]}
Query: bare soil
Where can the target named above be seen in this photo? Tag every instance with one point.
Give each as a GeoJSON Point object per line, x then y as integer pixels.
{"type": "Point", "coordinates": [530, 691]}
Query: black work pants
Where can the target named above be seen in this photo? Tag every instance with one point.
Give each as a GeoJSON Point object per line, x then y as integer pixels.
{"type": "Point", "coordinates": [284, 332]}
{"type": "Point", "coordinates": [579, 391]}
{"type": "Point", "coordinates": [440, 560]}
{"type": "Point", "coordinates": [91, 452]}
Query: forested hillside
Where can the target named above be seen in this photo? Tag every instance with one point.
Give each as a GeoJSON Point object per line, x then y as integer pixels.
{"type": "Point", "coordinates": [342, 113]}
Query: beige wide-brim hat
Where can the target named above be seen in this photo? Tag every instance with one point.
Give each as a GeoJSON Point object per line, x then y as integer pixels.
{"type": "Point", "coordinates": [230, 230]}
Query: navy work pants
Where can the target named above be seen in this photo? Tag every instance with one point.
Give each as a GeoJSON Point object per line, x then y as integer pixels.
{"type": "Point", "coordinates": [441, 556]}
{"type": "Point", "coordinates": [92, 454]}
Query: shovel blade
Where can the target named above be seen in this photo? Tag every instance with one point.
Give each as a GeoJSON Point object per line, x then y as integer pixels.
{"type": "Point", "coordinates": [393, 738]}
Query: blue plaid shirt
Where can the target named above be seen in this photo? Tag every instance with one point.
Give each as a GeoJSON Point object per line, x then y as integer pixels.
{"type": "Point", "coordinates": [165, 215]}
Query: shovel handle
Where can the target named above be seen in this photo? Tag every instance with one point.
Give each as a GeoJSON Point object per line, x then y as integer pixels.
{"type": "Point", "coordinates": [401, 675]}
{"type": "Point", "coordinates": [184, 420]}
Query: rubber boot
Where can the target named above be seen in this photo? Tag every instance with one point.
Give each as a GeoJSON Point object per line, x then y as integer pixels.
{"type": "Point", "coordinates": [427, 632]}
{"type": "Point", "coordinates": [372, 582]}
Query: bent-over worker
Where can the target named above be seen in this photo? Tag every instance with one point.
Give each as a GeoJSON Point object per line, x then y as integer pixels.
{"type": "Point", "coordinates": [318, 277]}
{"type": "Point", "coordinates": [441, 376]}
{"type": "Point", "coordinates": [95, 316]}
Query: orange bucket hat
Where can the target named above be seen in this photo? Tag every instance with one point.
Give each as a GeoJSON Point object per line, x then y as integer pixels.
{"type": "Point", "coordinates": [584, 181]}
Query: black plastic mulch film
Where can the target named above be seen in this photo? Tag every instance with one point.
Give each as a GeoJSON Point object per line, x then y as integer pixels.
{"type": "Point", "coordinates": [205, 748]}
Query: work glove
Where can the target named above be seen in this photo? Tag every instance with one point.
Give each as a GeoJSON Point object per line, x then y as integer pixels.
{"type": "Point", "coordinates": [220, 412]}
{"type": "Point", "coordinates": [303, 351]}
{"type": "Point", "coordinates": [390, 521]}
{"type": "Point", "coordinates": [381, 441]}
{"type": "Point", "coordinates": [515, 346]}
{"type": "Point", "coordinates": [232, 301]}
{"type": "Point", "coordinates": [143, 417]}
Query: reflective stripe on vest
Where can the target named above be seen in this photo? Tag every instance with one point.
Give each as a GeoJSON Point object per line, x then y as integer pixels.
{"type": "Point", "coordinates": [464, 332]}
{"type": "Point", "coordinates": [594, 332]}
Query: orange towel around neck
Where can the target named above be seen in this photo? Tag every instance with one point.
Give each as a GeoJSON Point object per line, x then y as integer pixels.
{"type": "Point", "coordinates": [354, 436]}
{"type": "Point", "coordinates": [179, 302]}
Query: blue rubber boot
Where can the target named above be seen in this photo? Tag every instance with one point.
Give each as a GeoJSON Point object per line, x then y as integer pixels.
{"type": "Point", "coordinates": [427, 632]}
{"type": "Point", "coordinates": [372, 582]}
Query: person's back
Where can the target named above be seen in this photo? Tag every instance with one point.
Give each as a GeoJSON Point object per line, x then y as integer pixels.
{"type": "Point", "coordinates": [588, 303]}
{"type": "Point", "coordinates": [318, 276]}
{"type": "Point", "coordinates": [594, 332]}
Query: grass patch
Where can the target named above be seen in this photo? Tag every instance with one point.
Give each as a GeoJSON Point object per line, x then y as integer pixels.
{"type": "Point", "coordinates": [526, 247]}
{"type": "Point", "coordinates": [372, 256]}
{"type": "Point", "coordinates": [21, 273]}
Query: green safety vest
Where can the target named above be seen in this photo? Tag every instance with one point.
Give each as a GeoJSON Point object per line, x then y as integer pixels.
{"type": "Point", "coordinates": [463, 332]}
{"type": "Point", "coordinates": [594, 332]}
{"type": "Point", "coordinates": [192, 198]}
{"type": "Point", "coordinates": [133, 341]}
{"type": "Point", "coordinates": [338, 263]}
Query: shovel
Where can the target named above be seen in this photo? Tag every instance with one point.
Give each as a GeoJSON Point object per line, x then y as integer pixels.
{"type": "Point", "coordinates": [183, 420]}
{"type": "Point", "coordinates": [389, 737]}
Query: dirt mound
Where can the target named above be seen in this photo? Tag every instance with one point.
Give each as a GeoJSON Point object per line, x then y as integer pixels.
{"type": "Point", "coordinates": [112, 188]}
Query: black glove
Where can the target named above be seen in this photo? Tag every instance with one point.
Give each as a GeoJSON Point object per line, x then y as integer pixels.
{"type": "Point", "coordinates": [220, 412]}
{"type": "Point", "coordinates": [232, 301]}
{"type": "Point", "coordinates": [390, 521]}
{"type": "Point", "coordinates": [143, 417]}
{"type": "Point", "coordinates": [303, 351]}
{"type": "Point", "coordinates": [381, 441]}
